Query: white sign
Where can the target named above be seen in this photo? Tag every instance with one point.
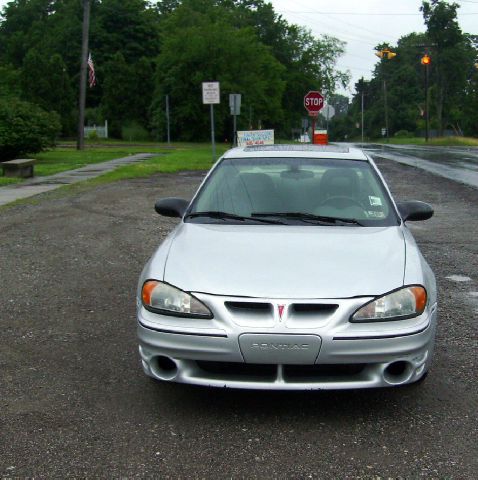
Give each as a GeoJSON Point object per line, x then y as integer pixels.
{"type": "Point", "coordinates": [210, 93]}
{"type": "Point", "coordinates": [235, 103]}
{"type": "Point", "coordinates": [328, 112]}
{"type": "Point", "coordinates": [255, 137]}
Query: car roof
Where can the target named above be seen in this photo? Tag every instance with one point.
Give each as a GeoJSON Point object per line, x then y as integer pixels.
{"type": "Point", "coordinates": [297, 150]}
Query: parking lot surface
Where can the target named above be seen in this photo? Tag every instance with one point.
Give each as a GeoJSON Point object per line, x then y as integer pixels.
{"type": "Point", "coordinates": [75, 402]}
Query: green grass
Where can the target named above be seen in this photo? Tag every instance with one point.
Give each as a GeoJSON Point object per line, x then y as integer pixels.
{"type": "Point", "coordinates": [9, 180]}
{"type": "Point", "coordinates": [60, 160]}
{"type": "Point", "coordinates": [67, 158]}
{"type": "Point", "coordinates": [439, 142]}
{"type": "Point", "coordinates": [190, 157]}
{"type": "Point", "coordinates": [184, 157]}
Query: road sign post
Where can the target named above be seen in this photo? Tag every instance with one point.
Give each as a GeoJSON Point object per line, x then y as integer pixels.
{"type": "Point", "coordinates": [328, 112]}
{"type": "Point", "coordinates": [211, 96]}
{"type": "Point", "coordinates": [313, 103]}
{"type": "Point", "coordinates": [235, 106]}
{"type": "Point", "coordinates": [168, 121]}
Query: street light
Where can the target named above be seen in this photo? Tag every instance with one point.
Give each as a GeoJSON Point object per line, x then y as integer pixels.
{"type": "Point", "coordinates": [426, 61]}
{"type": "Point", "coordinates": [385, 54]}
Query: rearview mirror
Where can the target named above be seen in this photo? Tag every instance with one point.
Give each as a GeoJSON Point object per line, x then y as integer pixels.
{"type": "Point", "coordinates": [414, 210]}
{"type": "Point", "coordinates": [171, 207]}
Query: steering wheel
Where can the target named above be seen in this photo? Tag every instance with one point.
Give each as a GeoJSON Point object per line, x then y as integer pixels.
{"type": "Point", "coordinates": [340, 201]}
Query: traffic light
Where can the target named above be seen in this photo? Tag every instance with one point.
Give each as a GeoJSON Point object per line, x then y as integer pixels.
{"type": "Point", "coordinates": [426, 60]}
{"type": "Point", "coordinates": [386, 53]}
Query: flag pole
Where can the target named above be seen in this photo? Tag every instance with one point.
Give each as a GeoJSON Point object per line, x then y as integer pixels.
{"type": "Point", "coordinates": [80, 143]}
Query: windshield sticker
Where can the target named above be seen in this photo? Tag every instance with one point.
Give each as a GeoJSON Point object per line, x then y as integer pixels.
{"type": "Point", "coordinates": [375, 214]}
{"type": "Point", "coordinates": [375, 201]}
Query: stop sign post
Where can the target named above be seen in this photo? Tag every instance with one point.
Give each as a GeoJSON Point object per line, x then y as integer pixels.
{"type": "Point", "coordinates": [313, 103]}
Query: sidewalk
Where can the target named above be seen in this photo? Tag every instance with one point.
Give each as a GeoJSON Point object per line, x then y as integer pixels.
{"type": "Point", "coordinates": [39, 185]}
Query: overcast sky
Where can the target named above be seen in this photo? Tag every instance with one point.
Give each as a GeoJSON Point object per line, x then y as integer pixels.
{"type": "Point", "coordinates": [362, 24]}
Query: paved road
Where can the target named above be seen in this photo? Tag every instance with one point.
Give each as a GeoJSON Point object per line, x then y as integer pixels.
{"type": "Point", "coordinates": [456, 163]}
{"type": "Point", "coordinates": [74, 401]}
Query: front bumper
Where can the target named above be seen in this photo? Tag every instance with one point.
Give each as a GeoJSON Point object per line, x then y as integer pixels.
{"type": "Point", "coordinates": [302, 349]}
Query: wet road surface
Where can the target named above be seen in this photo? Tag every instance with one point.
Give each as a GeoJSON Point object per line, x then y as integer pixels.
{"type": "Point", "coordinates": [456, 163]}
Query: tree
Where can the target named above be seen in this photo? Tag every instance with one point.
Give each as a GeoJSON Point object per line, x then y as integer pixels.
{"type": "Point", "coordinates": [200, 45]}
{"type": "Point", "coordinates": [310, 62]}
{"type": "Point", "coordinates": [127, 92]}
{"type": "Point", "coordinates": [244, 43]}
{"type": "Point", "coordinates": [9, 81]}
{"type": "Point", "coordinates": [45, 82]}
{"type": "Point", "coordinates": [452, 59]}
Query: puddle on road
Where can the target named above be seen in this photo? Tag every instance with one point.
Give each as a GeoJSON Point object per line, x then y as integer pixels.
{"type": "Point", "coordinates": [472, 299]}
{"type": "Point", "coordinates": [458, 278]}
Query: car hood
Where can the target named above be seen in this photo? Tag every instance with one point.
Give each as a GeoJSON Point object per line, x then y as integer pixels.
{"type": "Point", "coordinates": [276, 261]}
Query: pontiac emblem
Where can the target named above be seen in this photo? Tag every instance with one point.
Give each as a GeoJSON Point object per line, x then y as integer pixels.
{"type": "Point", "coordinates": [280, 308]}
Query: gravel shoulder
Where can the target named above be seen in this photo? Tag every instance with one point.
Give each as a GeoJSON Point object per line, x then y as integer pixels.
{"type": "Point", "coordinates": [74, 401]}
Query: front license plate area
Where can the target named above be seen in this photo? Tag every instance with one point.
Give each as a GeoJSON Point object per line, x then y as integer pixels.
{"type": "Point", "coordinates": [279, 349]}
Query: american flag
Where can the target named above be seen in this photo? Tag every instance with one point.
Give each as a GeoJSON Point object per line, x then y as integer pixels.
{"type": "Point", "coordinates": [91, 72]}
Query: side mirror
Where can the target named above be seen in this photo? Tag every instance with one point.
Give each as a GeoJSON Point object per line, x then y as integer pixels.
{"type": "Point", "coordinates": [414, 210]}
{"type": "Point", "coordinates": [171, 207]}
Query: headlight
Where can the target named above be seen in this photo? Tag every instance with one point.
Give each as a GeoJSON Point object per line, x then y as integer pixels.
{"type": "Point", "coordinates": [405, 303]}
{"type": "Point", "coordinates": [163, 298]}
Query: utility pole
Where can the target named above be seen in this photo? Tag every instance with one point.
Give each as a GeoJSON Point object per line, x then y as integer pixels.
{"type": "Point", "coordinates": [80, 143]}
{"type": "Point", "coordinates": [362, 95]}
{"type": "Point", "coordinates": [385, 54]}
{"type": "Point", "coordinates": [425, 61]}
{"type": "Point", "coordinates": [167, 120]}
{"type": "Point", "coordinates": [385, 104]}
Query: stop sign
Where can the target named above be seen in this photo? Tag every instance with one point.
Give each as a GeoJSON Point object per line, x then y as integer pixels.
{"type": "Point", "coordinates": [313, 102]}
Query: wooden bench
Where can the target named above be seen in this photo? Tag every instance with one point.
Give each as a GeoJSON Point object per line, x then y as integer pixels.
{"type": "Point", "coordinates": [23, 167]}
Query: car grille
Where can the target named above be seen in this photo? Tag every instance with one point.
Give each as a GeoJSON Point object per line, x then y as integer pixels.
{"type": "Point", "coordinates": [260, 371]}
{"type": "Point", "coordinates": [265, 314]}
{"type": "Point", "coordinates": [291, 373]}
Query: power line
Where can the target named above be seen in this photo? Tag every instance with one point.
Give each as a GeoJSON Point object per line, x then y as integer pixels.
{"type": "Point", "coordinates": [316, 12]}
{"type": "Point", "coordinates": [340, 35]}
{"type": "Point", "coordinates": [358, 27]}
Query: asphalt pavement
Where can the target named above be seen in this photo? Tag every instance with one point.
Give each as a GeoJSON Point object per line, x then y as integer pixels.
{"type": "Point", "coordinates": [455, 163]}
{"type": "Point", "coordinates": [74, 401]}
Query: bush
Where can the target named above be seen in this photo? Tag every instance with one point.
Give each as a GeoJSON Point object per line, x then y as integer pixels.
{"type": "Point", "coordinates": [402, 134]}
{"type": "Point", "coordinates": [25, 128]}
{"type": "Point", "coordinates": [134, 132]}
{"type": "Point", "coordinates": [93, 136]}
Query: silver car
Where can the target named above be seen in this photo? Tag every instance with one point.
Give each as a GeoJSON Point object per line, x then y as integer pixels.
{"type": "Point", "coordinates": [291, 268]}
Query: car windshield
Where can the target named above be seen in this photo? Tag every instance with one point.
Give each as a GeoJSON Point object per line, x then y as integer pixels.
{"type": "Point", "coordinates": [293, 191]}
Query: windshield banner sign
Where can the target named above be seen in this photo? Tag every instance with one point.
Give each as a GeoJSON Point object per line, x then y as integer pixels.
{"type": "Point", "coordinates": [255, 137]}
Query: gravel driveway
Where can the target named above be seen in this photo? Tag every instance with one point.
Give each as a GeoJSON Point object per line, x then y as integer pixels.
{"type": "Point", "coordinates": [74, 401]}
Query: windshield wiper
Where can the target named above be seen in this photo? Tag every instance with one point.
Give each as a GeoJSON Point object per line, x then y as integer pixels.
{"type": "Point", "coordinates": [232, 216]}
{"type": "Point", "coordinates": [309, 217]}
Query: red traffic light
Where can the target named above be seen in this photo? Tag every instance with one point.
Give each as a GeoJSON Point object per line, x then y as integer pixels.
{"type": "Point", "coordinates": [426, 60]}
